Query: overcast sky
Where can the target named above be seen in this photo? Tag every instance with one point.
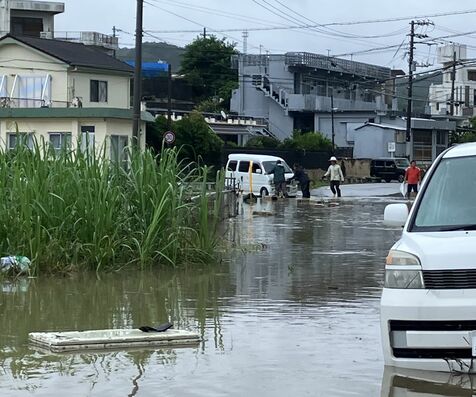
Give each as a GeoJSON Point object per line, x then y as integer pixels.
{"type": "Point", "coordinates": [102, 15]}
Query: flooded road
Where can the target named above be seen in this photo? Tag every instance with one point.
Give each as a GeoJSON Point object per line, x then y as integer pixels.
{"type": "Point", "coordinates": [293, 311]}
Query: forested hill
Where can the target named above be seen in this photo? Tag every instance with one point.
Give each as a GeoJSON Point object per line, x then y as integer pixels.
{"type": "Point", "coordinates": [154, 52]}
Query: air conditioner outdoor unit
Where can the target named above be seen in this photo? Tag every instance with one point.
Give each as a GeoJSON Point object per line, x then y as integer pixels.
{"type": "Point", "coordinates": [46, 35]}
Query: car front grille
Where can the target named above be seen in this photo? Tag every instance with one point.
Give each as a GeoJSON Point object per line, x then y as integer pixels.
{"type": "Point", "coordinates": [433, 353]}
{"type": "Point", "coordinates": [450, 279]}
{"type": "Point", "coordinates": [449, 325]}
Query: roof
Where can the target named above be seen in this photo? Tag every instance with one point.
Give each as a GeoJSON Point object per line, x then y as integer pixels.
{"type": "Point", "coordinates": [74, 54]}
{"type": "Point", "coordinates": [384, 126]}
{"type": "Point", "coordinates": [466, 149]}
{"type": "Point", "coordinates": [71, 113]}
{"type": "Point", "coordinates": [253, 157]}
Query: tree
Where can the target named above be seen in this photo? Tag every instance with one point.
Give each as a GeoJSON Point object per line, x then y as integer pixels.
{"type": "Point", "coordinates": [463, 136]}
{"type": "Point", "coordinates": [263, 142]}
{"type": "Point", "coordinates": [206, 64]}
{"type": "Point", "coordinates": [312, 141]}
{"type": "Point", "coordinates": [195, 138]}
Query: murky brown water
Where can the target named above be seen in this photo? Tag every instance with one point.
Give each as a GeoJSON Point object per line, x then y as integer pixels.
{"type": "Point", "coordinates": [299, 318]}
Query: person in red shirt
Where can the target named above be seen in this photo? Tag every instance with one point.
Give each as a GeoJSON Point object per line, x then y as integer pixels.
{"type": "Point", "coordinates": [412, 178]}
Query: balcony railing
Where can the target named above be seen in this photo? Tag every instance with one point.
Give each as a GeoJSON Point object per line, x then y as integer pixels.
{"type": "Point", "coordinates": [87, 38]}
{"type": "Point", "coordinates": [313, 103]}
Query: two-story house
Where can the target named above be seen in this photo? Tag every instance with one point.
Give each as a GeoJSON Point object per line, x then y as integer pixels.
{"type": "Point", "coordinates": [66, 93]}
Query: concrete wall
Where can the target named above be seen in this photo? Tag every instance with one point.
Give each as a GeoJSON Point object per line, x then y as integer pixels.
{"type": "Point", "coordinates": [118, 89]}
{"type": "Point", "coordinates": [323, 124]}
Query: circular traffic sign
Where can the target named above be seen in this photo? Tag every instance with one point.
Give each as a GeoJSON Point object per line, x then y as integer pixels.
{"type": "Point", "coordinates": [169, 137]}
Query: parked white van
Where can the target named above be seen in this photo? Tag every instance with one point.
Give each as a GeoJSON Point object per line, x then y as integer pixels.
{"type": "Point", "coordinates": [238, 167]}
{"type": "Point", "coordinates": [428, 304]}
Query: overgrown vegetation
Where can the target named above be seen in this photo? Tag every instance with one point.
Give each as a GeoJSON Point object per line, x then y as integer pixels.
{"type": "Point", "coordinates": [311, 141]}
{"type": "Point", "coordinates": [464, 135]}
{"type": "Point", "coordinates": [73, 211]}
{"type": "Point", "coordinates": [197, 141]}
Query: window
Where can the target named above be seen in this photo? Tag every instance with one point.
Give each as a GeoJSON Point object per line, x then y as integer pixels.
{"type": "Point", "coordinates": [269, 166]}
{"type": "Point", "coordinates": [256, 167]}
{"type": "Point", "coordinates": [232, 165]}
{"type": "Point", "coordinates": [423, 145]}
{"type": "Point", "coordinates": [60, 140]}
{"type": "Point", "coordinates": [31, 91]}
{"type": "Point", "coordinates": [119, 153]}
{"type": "Point", "coordinates": [472, 75]}
{"type": "Point", "coordinates": [21, 138]}
{"type": "Point", "coordinates": [3, 86]}
{"type": "Point", "coordinates": [87, 139]}
{"type": "Point", "coordinates": [379, 163]}
{"type": "Point", "coordinates": [98, 91]}
{"type": "Point", "coordinates": [441, 206]}
{"type": "Point", "coordinates": [244, 166]}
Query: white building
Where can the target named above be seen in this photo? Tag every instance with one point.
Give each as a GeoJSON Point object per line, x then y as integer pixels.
{"type": "Point", "coordinates": [37, 19]}
{"type": "Point", "coordinates": [464, 84]}
{"type": "Point", "coordinates": [64, 92]}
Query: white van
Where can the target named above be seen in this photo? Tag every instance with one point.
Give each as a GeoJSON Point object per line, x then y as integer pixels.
{"type": "Point", "coordinates": [238, 167]}
{"type": "Point", "coordinates": [428, 304]}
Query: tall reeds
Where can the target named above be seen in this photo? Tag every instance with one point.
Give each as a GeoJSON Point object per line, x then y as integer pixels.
{"type": "Point", "coordinates": [71, 210]}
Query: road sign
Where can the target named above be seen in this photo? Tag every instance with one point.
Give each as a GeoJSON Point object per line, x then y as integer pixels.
{"type": "Point", "coordinates": [392, 147]}
{"type": "Point", "coordinates": [169, 137]}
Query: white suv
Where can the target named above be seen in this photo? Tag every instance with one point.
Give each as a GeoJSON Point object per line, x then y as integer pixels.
{"type": "Point", "coordinates": [428, 305]}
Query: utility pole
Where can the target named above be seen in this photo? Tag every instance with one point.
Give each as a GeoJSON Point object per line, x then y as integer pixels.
{"type": "Point", "coordinates": [411, 68]}
{"type": "Point", "coordinates": [136, 112]}
{"type": "Point", "coordinates": [169, 97]}
{"type": "Point", "coordinates": [204, 33]}
{"type": "Point", "coordinates": [332, 120]}
{"type": "Point", "coordinates": [246, 34]}
{"type": "Point", "coordinates": [114, 30]}
{"type": "Point", "coordinates": [453, 78]}
{"type": "Point", "coordinates": [410, 82]}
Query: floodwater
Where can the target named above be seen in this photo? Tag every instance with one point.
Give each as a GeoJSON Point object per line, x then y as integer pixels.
{"type": "Point", "coordinates": [293, 311]}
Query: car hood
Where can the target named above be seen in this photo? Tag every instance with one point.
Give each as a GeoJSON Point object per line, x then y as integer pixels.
{"type": "Point", "coordinates": [441, 250]}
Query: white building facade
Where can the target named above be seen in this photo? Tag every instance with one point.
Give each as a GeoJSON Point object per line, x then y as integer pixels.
{"type": "Point", "coordinates": [462, 102]}
{"type": "Point", "coordinates": [64, 93]}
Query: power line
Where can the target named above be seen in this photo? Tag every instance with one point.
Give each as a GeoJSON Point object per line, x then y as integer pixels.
{"type": "Point", "coordinates": [307, 26]}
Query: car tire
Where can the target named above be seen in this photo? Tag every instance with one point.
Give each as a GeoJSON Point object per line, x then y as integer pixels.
{"type": "Point", "coordinates": [264, 192]}
{"type": "Point", "coordinates": [388, 180]}
{"type": "Point", "coordinates": [401, 178]}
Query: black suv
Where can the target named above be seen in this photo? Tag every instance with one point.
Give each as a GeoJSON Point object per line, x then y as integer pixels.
{"type": "Point", "coordinates": [389, 169]}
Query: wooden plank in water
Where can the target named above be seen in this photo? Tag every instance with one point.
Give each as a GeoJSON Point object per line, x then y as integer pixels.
{"type": "Point", "coordinates": [111, 339]}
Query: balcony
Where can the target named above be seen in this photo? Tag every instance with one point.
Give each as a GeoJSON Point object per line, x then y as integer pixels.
{"type": "Point", "coordinates": [313, 103]}
{"type": "Point", "coordinates": [87, 38]}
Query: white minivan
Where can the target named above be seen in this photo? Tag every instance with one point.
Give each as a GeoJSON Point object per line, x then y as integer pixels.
{"type": "Point", "coordinates": [428, 304]}
{"type": "Point", "coordinates": [238, 167]}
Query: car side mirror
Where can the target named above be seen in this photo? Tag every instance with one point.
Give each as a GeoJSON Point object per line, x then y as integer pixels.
{"type": "Point", "coordinates": [395, 215]}
{"type": "Point", "coordinates": [258, 171]}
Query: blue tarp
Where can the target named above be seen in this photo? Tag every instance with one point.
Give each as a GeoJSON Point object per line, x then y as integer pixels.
{"type": "Point", "coordinates": [151, 69]}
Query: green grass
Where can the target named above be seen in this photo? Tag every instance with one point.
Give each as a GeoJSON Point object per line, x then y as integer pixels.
{"type": "Point", "coordinates": [72, 211]}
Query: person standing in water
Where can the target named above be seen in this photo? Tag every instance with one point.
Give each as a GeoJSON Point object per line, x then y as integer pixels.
{"type": "Point", "coordinates": [303, 179]}
{"type": "Point", "coordinates": [334, 172]}
{"type": "Point", "coordinates": [412, 178]}
{"type": "Point", "coordinates": [279, 179]}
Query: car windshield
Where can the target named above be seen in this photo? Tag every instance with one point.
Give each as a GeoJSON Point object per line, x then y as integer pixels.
{"type": "Point", "coordinates": [449, 200]}
{"type": "Point", "coordinates": [269, 165]}
{"type": "Point", "coordinates": [402, 163]}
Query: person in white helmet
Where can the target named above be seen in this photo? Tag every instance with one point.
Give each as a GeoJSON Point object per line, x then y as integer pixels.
{"type": "Point", "coordinates": [335, 175]}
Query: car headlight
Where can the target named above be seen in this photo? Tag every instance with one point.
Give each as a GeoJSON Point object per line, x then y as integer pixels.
{"type": "Point", "coordinates": [404, 279]}
{"type": "Point", "coordinates": [403, 271]}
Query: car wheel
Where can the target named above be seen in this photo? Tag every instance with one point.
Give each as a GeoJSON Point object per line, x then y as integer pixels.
{"type": "Point", "coordinates": [401, 178]}
{"type": "Point", "coordinates": [264, 192]}
{"type": "Point", "coordinates": [388, 180]}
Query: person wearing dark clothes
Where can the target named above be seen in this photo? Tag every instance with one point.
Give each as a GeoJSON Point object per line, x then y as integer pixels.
{"type": "Point", "coordinates": [279, 179]}
{"type": "Point", "coordinates": [303, 179]}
